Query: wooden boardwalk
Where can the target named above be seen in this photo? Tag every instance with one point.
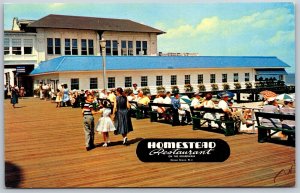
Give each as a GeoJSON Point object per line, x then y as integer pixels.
{"type": "Point", "coordinates": [44, 148]}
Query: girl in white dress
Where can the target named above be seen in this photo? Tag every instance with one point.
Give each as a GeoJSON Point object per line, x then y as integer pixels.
{"type": "Point", "coordinates": [105, 124]}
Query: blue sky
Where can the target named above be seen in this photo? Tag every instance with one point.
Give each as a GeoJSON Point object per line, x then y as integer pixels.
{"type": "Point", "coordinates": [210, 29]}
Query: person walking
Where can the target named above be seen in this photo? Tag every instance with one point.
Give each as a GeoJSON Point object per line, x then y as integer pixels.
{"type": "Point", "coordinates": [66, 97]}
{"type": "Point", "coordinates": [121, 115]}
{"type": "Point", "coordinates": [105, 124]}
{"type": "Point", "coordinates": [14, 96]}
{"type": "Point", "coordinates": [88, 122]}
{"type": "Point", "coordinates": [58, 98]}
{"type": "Point", "coordinates": [22, 91]}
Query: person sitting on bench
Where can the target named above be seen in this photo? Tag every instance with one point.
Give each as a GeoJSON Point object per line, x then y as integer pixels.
{"type": "Point", "coordinates": [271, 107]}
{"type": "Point", "coordinates": [288, 109]}
{"type": "Point", "coordinates": [158, 99]}
{"type": "Point", "coordinates": [237, 115]}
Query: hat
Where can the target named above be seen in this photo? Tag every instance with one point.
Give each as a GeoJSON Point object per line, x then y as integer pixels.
{"type": "Point", "coordinates": [224, 95]}
{"type": "Point", "coordinates": [288, 100]}
{"type": "Point", "coordinates": [271, 99]}
{"type": "Point", "coordinates": [134, 84]}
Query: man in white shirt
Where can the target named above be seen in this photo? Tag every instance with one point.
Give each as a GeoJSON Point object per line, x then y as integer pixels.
{"type": "Point", "coordinates": [196, 101]}
{"type": "Point", "coordinates": [237, 115]}
{"type": "Point", "coordinates": [167, 99]}
{"type": "Point", "coordinates": [102, 95]}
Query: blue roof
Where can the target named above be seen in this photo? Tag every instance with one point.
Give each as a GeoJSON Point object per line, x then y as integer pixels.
{"type": "Point", "coordinates": [91, 63]}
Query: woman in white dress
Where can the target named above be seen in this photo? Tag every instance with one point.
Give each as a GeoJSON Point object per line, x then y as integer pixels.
{"type": "Point", "coordinates": [105, 124]}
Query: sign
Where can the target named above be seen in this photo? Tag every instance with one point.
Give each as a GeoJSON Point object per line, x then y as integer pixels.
{"type": "Point", "coordinates": [183, 150]}
{"type": "Point", "coordinates": [21, 69]}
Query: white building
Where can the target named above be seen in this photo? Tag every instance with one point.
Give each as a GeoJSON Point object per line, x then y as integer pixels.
{"type": "Point", "coordinates": [85, 72]}
{"type": "Point", "coordinates": [63, 49]}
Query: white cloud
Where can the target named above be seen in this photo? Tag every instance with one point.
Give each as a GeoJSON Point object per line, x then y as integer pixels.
{"type": "Point", "coordinates": [268, 33]}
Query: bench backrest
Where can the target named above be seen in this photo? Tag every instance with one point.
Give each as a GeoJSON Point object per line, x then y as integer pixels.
{"type": "Point", "coordinates": [273, 116]}
{"type": "Point", "coordinates": [160, 105]}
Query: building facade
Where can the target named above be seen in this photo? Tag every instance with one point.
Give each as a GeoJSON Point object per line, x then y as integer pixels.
{"type": "Point", "coordinates": [85, 72]}
{"type": "Point", "coordinates": [64, 49]}
{"type": "Point", "coordinates": [30, 42]}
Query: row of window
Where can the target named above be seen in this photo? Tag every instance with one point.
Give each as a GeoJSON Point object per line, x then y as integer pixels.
{"type": "Point", "coordinates": [87, 47]}
{"type": "Point", "coordinates": [18, 46]}
{"type": "Point", "coordinates": [159, 80]}
{"type": "Point", "coordinates": [71, 46]}
{"type": "Point", "coordinates": [126, 48]}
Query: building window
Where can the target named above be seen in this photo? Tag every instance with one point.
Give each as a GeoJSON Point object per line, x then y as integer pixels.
{"type": "Point", "coordinates": [83, 47]}
{"type": "Point", "coordinates": [187, 79]}
{"type": "Point", "coordinates": [145, 47]}
{"type": "Point", "coordinates": [138, 48]}
{"type": "Point", "coordinates": [28, 45]}
{"type": "Point", "coordinates": [75, 83]}
{"type": "Point", "coordinates": [124, 48]}
{"type": "Point", "coordinates": [159, 80]}
{"type": "Point", "coordinates": [67, 47]}
{"type": "Point", "coordinates": [16, 46]}
{"type": "Point", "coordinates": [144, 81]}
{"type": "Point", "coordinates": [128, 81]}
{"type": "Point", "coordinates": [91, 47]}
{"type": "Point", "coordinates": [111, 82]}
{"type": "Point", "coordinates": [247, 77]}
{"type": "Point", "coordinates": [93, 83]}
{"type": "Point", "coordinates": [130, 48]}
{"type": "Point", "coordinates": [50, 46]}
{"type": "Point", "coordinates": [173, 79]}
{"type": "Point", "coordinates": [6, 46]}
{"type": "Point", "coordinates": [115, 48]}
{"type": "Point", "coordinates": [235, 77]}
{"type": "Point", "coordinates": [200, 78]}
{"type": "Point", "coordinates": [108, 47]}
{"type": "Point", "coordinates": [74, 47]}
{"type": "Point", "coordinates": [212, 78]}
{"type": "Point", "coordinates": [57, 46]}
{"type": "Point", "coordinates": [224, 77]}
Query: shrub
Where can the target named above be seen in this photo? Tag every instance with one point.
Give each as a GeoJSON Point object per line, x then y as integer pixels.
{"type": "Point", "coordinates": [214, 87]}
{"type": "Point", "coordinates": [160, 89]}
{"type": "Point", "coordinates": [237, 85]}
{"type": "Point", "coordinates": [128, 91]}
{"type": "Point", "coordinates": [226, 86]}
{"type": "Point", "coordinates": [175, 89]}
{"type": "Point", "coordinates": [188, 88]}
{"type": "Point", "coordinates": [248, 85]}
{"type": "Point", "coordinates": [146, 90]}
{"type": "Point", "coordinates": [201, 87]}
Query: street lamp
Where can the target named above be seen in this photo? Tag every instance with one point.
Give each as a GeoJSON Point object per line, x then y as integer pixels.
{"type": "Point", "coordinates": [103, 44]}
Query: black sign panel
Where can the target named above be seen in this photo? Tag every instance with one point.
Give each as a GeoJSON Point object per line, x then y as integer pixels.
{"type": "Point", "coordinates": [183, 150]}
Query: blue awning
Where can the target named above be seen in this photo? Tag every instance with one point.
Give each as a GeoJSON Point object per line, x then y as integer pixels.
{"type": "Point", "coordinates": [271, 72]}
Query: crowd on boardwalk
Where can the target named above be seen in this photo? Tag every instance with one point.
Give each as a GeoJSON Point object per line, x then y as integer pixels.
{"type": "Point", "coordinates": [115, 105]}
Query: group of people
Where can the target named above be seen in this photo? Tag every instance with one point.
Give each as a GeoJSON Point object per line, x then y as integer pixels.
{"type": "Point", "coordinates": [271, 106]}
{"type": "Point", "coordinates": [118, 120]}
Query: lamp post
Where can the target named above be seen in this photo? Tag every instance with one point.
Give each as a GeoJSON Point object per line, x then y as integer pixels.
{"type": "Point", "coordinates": [103, 44]}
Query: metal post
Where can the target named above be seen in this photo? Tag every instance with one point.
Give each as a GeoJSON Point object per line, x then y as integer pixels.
{"type": "Point", "coordinates": [104, 68]}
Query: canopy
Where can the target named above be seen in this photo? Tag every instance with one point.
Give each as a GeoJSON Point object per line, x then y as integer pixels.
{"type": "Point", "coordinates": [271, 72]}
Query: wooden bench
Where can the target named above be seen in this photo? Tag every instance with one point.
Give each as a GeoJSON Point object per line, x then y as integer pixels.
{"type": "Point", "coordinates": [199, 120]}
{"type": "Point", "coordinates": [170, 112]}
{"type": "Point", "coordinates": [138, 111]}
{"type": "Point", "coordinates": [264, 133]}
